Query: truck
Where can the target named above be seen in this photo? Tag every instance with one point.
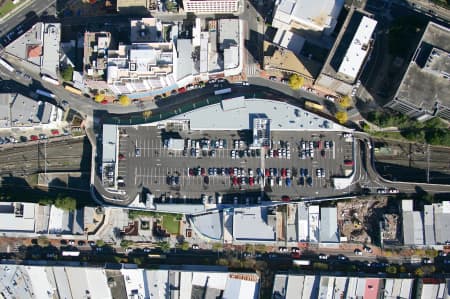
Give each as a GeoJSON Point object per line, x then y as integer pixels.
{"type": "Point", "coordinates": [301, 262]}
{"type": "Point", "coordinates": [45, 93]}
{"type": "Point", "coordinates": [222, 91]}
{"type": "Point", "coordinates": [50, 80]}
{"type": "Point", "coordinates": [6, 65]}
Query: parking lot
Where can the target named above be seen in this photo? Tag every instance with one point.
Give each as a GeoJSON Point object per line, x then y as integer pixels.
{"type": "Point", "coordinates": [298, 164]}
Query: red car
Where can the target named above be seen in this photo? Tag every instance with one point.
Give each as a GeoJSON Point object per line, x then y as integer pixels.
{"type": "Point", "coordinates": [203, 171]}
{"type": "Point", "coordinates": [182, 90]}
{"type": "Point", "coordinates": [285, 198]}
{"type": "Point", "coordinates": [235, 181]}
{"type": "Point", "coordinates": [283, 172]}
{"type": "Point", "coordinates": [251, 181]}
{"type": "Point", "coordinates": [55, 132]}
{"type": "Point", "coordinates": [104, 102]}
{"type": "Point", "coordinates": [267, 172]}
{"type": "Point", "coordinates": [34, 138]}
{"type": "Point", "coordinates": [121, 157]}
{"type": "Point", "coordinates": [231, 171]}
{"type": "Point", "coordinates": [191, 172]}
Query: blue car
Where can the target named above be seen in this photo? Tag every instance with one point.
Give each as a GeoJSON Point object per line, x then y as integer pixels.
{"type": "Point", "coordinates": [288, 182]}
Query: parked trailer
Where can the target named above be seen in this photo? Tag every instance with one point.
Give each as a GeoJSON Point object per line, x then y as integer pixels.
{"type": "Point", "coordinates": [70, 253]}
{"type": "Point", "coordinates": [6, 65]}
{"type": "Point", "coordinates": [72, 89]}
{"type": "Point", "coordinates": [45, 93]}
{"type": "Point", "coordinates": [301, 262]}
{"type": "Point", "coordinates": [50, 80]}
{"type": "Point", "coordinates": [222, 91]}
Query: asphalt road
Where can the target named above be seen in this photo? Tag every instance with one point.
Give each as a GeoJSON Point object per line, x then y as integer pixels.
{"type": "Point", "coordinates": [26, 16]}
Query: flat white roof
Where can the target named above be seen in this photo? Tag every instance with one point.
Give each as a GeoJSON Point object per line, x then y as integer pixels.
{"type": "Point", "coordinates": [250, 224]}
{"type": "Point", "coordinates": [9, 221]}
{"type": "Point", "coordinates": [109, 143]}
{"type": "Point", "coordinates": [283, 116]}
{"type": "Point", "coordinates": [134, 282]}
{"type": "Point", "coordinates": [42, 288]}
{"type": "Point", "coordinates": [357, 51]}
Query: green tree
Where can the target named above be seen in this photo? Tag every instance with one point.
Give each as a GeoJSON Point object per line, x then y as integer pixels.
{"type": "Point", "coordinates": [184, 246]}
{"type": "Point", "coordinates": [124, 100]}
{"type": "Point", "coordinates": [66, 203]}
{"type": "Point", "coordinates": [146, 114]}
{"type": "Point", "coordinates": [320, 266]}
{"type": "Point", "coordinates": [100, 243]}
{"type": "Point", "coordinates": [217, 246]}
{"type": "Point", "coordinates": [391, 269]}
{"type": "Point", "coordinates": [260, 248]}
{"type": "Point", "coordinates": [67, 73]}
{"type": "Point", "coordinates": [43, 241]}
{"type": "Point", "coordinates": [46, 201]}
{"type": "Point", "coordinates": [126, 243]}
{"type": "Point", "coordinates": [165, 246]}
{"type": "Point", "coordinates": [295, 81]}
{"type": "Point", "coordinates": [341, 116]}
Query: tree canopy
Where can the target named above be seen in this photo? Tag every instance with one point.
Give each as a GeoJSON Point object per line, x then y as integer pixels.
{"type": "Point", "coordinates": [295, 81]}
{"type": "Point", "coordinates": [341, 116]}
{"type": "Point", "coordinates": [124, 100]}
{"type": "Point", "coordinates": [99, 98]}
{"type": "Point", "coordinates": [66, 203]}
{"type": "Point", "coordinates": [345, 102]}
{"type": "Point", "coordinates": [67, 73]}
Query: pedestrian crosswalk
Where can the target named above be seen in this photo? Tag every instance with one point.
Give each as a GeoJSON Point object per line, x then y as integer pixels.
{"type": "Point", "coordinates": [252, 69]}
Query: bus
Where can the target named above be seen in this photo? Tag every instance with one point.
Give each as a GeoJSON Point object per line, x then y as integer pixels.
{"type": "Point", "coordinates": [72, 89]}
{"type": "Point", "coordinates": [222, 91]}
{"type": "Point", "coordinates": [45, 93]}
{"type": "Point", "coordinates": [70, 253]}
{"type": "Point", "coordinates": [50, 80]}
{"type": "Point", "coordinates": [313, 105]}
{"type": "Point", "coordinates": [6, 65]}
{"type": "Point", "coordinates": [301, 262]}
{"type": "Point", "coordinates": [157, 256]}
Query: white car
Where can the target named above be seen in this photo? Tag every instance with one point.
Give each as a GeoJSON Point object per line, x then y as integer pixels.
{"type": "Point", "coordinates": [330, 98]}
{"type": "Point", "coordinates": [195, 247]}
{"type": "Point", "coordinates": [323, 256]}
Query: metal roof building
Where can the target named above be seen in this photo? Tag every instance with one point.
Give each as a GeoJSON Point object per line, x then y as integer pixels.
{"type": "Point", "coordinates": [209, 225]}
{"type": "Point", "coordinates": [329, 232]}
{"type": "Point", "coordinates": [284, 117]}
{"type": "Point", "coordinates": [298, 286]}
{"type": "Point", "coordinates": [254, 224]}
{"type": "Point", "coordinates": [304, 14]}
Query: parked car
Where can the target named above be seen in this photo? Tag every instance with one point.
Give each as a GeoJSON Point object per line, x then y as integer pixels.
{"type": "Point", "coordinates": [357, 252]}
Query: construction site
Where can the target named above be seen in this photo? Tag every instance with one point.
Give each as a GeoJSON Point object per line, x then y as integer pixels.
{"type": "Point", "coordinates": [368, 221]}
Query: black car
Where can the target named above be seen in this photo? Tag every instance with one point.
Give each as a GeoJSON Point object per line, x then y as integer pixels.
{"type": "Point", "coordinates": [301, 181]}
{"type": "Point", "coordinates": [81, 243]}
{"type": "Point", "coordinates": [206, 180]}
{"type": "Point", "coordinates": [309, 181]}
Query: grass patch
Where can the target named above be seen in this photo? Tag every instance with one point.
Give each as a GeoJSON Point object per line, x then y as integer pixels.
{"type": "Point", "coordinates": [389, 135]}
{"type": "Point", "coordinates": [171, 224]}
{"type": "Point", "coordinates": [6, 7]}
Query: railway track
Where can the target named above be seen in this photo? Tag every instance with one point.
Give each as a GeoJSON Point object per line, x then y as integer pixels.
{"type": "Point", "coordinates": [61, 155]}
